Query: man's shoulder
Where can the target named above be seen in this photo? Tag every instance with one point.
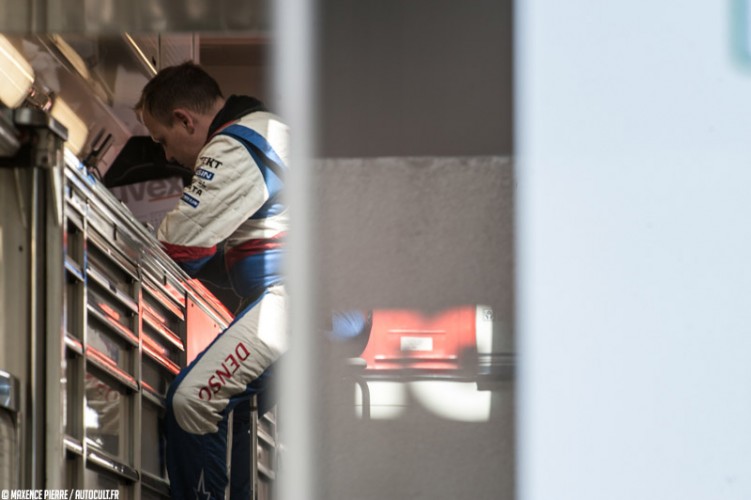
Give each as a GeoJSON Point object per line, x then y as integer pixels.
{"type": "Point", "coordinates": [262, 122]}
{"type": "Point", "coordinates": [263, 129]}
{"type": "Point", "coordinates": [269, 126]}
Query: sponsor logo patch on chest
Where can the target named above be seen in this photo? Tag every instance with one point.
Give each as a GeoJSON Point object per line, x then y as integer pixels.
{"type": "Point", "coordinates": [204, 174]}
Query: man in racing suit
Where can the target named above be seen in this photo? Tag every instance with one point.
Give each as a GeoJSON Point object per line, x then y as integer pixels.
{"type": "Point", "coordinates": [232, 210]}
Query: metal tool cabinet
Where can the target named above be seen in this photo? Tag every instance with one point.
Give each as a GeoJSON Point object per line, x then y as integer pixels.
{"type": "Point", "coordinates": [124, 342]}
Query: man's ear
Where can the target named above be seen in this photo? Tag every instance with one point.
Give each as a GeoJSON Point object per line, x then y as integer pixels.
{"type": "Point", "coordinates": [183, 118]}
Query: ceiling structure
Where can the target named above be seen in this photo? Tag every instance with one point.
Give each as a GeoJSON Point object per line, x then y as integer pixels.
{"type": "Point", "coordinates": [100, 76]}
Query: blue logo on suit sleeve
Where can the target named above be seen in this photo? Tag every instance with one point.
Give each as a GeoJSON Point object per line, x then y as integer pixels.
{"type": "Point", "coordinates": [190, 200]}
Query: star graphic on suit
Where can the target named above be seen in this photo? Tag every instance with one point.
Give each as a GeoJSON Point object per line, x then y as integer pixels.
{"type": "Point", "coordinates": [200, 490]}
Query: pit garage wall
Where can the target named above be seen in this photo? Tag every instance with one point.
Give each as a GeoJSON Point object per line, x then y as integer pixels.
{"type": "Point", "coordinates": [417, 78]}
{"type": "Point", "coordinates": [414, 200]}
{"type": "Point", "coordinates": [422, 233]}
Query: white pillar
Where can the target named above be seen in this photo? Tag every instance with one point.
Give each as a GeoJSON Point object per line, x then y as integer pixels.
{"type": "Point", "coordinates": [293, 84]}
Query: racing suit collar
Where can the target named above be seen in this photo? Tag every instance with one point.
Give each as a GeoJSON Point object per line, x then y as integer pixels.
{"type": "Point", "coordinates": [235, 107]}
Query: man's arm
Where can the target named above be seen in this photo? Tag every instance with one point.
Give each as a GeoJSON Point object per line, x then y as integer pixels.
{"type": "Point", "coordinates": [227, 189]}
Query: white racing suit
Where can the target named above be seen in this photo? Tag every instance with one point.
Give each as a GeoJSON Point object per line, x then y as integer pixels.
{"type": "Point", "coordinates": [232, 210]}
